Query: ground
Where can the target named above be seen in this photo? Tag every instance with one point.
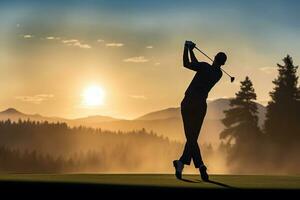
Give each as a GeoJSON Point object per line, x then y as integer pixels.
{"type": "Point", "coordinates": [148, 182]}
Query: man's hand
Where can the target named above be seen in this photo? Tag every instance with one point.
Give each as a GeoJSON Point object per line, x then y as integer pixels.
{"type": "Point", "coordinates": [190, 45]}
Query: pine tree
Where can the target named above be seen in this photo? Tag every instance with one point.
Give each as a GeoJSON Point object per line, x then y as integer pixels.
{"type": "Point", "coordinates": [282, 118]}
{"type": "Point", "coordinates": [241, 119]}
{"type": "Point", "coordinates": [241, 123]}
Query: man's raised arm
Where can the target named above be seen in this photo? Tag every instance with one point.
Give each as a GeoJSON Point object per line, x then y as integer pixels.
{"type": "Point", "coordinates": [186, 61]}
{"type": "Point", "coordinates": [193, 57]}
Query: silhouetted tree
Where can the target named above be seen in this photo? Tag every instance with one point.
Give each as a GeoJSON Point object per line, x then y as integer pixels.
{"type": "Point", "coordinates": [241, 122]}
{"type": "Point", "coordinates": [282, 118]}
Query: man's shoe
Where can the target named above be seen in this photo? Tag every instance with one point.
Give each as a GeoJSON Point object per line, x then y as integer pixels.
{"type": "Point", "coordinates": [204, 175]}
{"type": "Point", "coordinates": [178, 168]}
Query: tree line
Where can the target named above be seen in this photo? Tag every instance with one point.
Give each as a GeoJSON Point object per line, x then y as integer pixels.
{"type": "Point", "coordinates": [42, 147]}
{"type": "Point", "coordinates": [276, 146]}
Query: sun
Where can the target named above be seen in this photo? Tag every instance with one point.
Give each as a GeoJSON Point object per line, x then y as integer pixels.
{"type": "Point", "coordinates": [93, 96]}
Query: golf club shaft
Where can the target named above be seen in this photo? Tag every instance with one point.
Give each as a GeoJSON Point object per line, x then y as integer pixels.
{"type": "Point", "coordinates": [211, 59]}
{"type": "Point", "coordinates": [204, 53]}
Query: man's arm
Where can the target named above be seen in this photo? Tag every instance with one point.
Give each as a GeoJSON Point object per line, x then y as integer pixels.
{"type": "Point", "coordinates": [192, 55]}
{"type": "Point", "coordinates": [186, 61]}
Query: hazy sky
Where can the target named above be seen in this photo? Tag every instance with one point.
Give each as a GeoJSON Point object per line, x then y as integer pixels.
{"type": "Point", "coordinates": [52, 51]}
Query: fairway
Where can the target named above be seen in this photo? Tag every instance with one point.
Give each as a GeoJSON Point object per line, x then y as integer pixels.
{"type": "Point", "coordinates": [158, 181]}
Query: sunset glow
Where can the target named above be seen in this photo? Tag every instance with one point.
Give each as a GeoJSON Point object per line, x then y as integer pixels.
{"type": "Point", "coordinates": [51, 66]}
{"type": "Point", "coordinates": [93, 96]}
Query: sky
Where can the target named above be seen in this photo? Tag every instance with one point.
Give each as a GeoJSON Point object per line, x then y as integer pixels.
{"type": "Point", "coordinates": [51, 52]}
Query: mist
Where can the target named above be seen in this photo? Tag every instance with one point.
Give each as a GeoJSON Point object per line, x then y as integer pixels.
{"type": "Point", "coordinates": [42, 147]}
{"type": "Point", "coordinates": [81, 149]}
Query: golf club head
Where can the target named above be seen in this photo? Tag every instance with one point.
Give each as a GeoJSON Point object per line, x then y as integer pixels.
{"type": "Point", "coordinates": [232, 79]}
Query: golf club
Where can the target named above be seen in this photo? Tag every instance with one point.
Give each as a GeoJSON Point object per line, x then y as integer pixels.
{"type": "Point", "coordinates": [231, 77]}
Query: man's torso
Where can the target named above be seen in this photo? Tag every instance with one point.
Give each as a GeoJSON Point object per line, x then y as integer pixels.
{"type": "Point", "coordinates": [203, 81]}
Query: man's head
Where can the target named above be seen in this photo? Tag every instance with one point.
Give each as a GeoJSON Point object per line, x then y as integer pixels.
{"type": "Point", "coordinates": [220, 59]}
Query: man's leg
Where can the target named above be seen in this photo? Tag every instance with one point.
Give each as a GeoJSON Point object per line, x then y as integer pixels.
{"type": "Point", "coordinates": [187, 154]}
{"type": "Point", "coordinates": [196, 154]}
{"type": "Point", "coordinates": [192, 119]}
{"type": "Point", "coordinates": [197, 122]}
{"type": "Point", "coordinates": [186, 157]}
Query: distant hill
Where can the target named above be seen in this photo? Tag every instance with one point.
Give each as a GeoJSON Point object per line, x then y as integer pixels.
{"type": "Point", "coordinates": [90, 121]}
{"type": "Point", "coordinates": [15, 115]}
{"type": "Point", "coordinates": [11, 111]}
{"type": "Point", "coordinates": [215, 110]}
{"type": "Point", "coordinates": [161, 114]}
{"type": "Point", "coordinates": [166, 122]}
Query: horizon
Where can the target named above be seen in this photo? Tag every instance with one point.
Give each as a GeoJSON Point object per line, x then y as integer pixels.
{"type": "Point", "coordinates": [20, 111]}
{"type": "Point", "coordinates": [123, 59]}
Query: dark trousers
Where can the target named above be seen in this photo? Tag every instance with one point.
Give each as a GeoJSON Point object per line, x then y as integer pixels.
{"type": "Point", "coordinates": [193, 111]}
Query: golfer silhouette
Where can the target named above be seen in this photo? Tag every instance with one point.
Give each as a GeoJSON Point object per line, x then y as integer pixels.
{"type": "Point", "coordinates": [193, 106]}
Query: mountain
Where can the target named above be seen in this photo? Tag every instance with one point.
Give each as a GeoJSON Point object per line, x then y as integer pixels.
{"type": "Point", "coordinates": [90, 121]}
{"type": "Point", "coordinates": [15, 115]}
{"type": "Point", "coordinates": [162, 114]}
{"type": "Point", "coordinates": [169, 122]}
{"type": "Point", "coordinates": [166, 122]}
{"type": "Point", "coordinates": [215, 110]}
{"type": "Point", "coordinates": [11, 111]}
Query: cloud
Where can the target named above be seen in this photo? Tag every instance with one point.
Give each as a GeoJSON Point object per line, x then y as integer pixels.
{"type": "Point", "coordinates": [157, 63]}
{"type": "Point", "coordinates": [36, 99]}
{"type": "Point", "coordinates": [28, 36]}
{"type": "Point", "coordinates": [139, 59]}
{"type": "Point", "coordinates": [149, 47]}
{"type": "Point", "coordinates": [114, 44]}
{"type": "Point", "coordinates": [268, 70]}
{"type": "Point", "coordinates": [100, 40]}
{"type": "Point", "coordinates": [70, 41]}
{"type": "Point", "coordinates": [76, 43]}
{"type": "Point", "coordinates": [138, 97]}
{"type": "Point", "coordinates": [52, 38]}
{"type": "Point", "coordinates": [84, 46]}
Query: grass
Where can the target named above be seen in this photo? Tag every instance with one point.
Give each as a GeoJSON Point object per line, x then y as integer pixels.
{"type": "Point", "coordinates": [160, 180]}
